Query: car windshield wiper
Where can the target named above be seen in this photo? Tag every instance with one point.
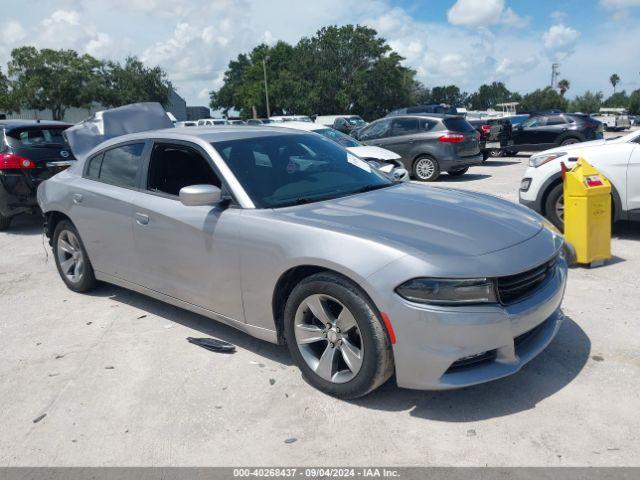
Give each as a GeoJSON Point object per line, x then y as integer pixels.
{"type": "Point", "coordinates": [369, 188]}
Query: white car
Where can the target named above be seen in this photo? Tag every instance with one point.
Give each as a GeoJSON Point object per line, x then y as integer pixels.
{"type": "Point", "coordinates": [618, 159]}
{"type": "Point", "coordinates": [386, 160]}
{"type": "Point", "coordinates": [209, 122]}
{"type": "Point", "coordinates": [290, 118]}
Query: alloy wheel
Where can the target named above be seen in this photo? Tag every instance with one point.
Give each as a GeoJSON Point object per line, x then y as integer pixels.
{"type": "Point", "coordinates": [70, 256]}
{"type": "Point", "coordinates": [559, 208]}
{"type": "Point", "coordinates": [425, 168]}
{"type": "Point", "coordinates": [329, 339]}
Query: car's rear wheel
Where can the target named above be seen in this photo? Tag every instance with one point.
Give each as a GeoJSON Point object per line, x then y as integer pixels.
{"type": "Point", "coordinates": [554, 207]}
{"type": "Point", "coordinates": [511, 153]}
{"type": "Point", "coordinates": [569, 141]}
{"type": "Point", "coordinates": [5, 222]}
{"type": "Point", "coordinates": [426, 169]}
{"type": "Point", "coordinates": [495, 153]}
{"type": "Point", "coordinates": [460, 171]}
{"type": "Point", "coordinates": [71, 258]}
{"type": "Point", "coordinates": [336, 337]}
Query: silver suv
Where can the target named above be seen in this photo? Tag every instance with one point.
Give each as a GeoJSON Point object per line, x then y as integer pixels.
{"type": "Point", "coordinates": [427, 144]}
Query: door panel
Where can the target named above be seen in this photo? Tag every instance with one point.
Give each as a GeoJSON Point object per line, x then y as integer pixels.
{"type": "Point", "coordinates": [633, 182]}
{"type": "Point", "coordinates": [102, 213]}
{"type": "Point", "coordinates": [189, 253]}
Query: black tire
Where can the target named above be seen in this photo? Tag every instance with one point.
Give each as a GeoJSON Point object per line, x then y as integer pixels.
{"type": "Point", "coordinates": [419, 172]}
{"type": "Point", "coordinates": [86, 279]}
{"type": "Point", "coordinates": [570, 141]}
{"type": "Point", "coordinates": [495, 153]}
{"type": "Point", "coordinates": [553, 197]}
{"type": "Point", "coordinates": [511, 153]}
{"type": "Point", "coordinates": [457, 173]}
{"type": "Point", "coordinates": [5, 222]}
{"type": "Point", "coordinates": [377, 358]}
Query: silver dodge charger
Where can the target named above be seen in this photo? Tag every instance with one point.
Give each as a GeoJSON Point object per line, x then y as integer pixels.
{"type": "Point", "coordinates": [290, 238]}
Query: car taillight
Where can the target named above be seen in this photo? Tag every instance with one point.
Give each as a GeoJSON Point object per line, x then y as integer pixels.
{"type": "Point", "coordinates": [451, 137]}
{"type": "Point", "coordinates": [486, 129]}
{"type": "Point", "coordinates": [11, 161]}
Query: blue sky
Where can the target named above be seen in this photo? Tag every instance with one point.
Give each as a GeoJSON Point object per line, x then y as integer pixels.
{"type": "Point", "coordinates": [465, 42]}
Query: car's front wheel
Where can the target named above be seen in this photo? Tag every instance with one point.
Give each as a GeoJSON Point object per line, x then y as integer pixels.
{"type": "Point", "coordinates": [426, 169]}
{"type": "Point", "coordinates": [460, 171]}
{"type": "Point", "coordinates": [554, 207]}
{"type": "Point", "coordinates": [336, 337]}
{"type": "Point", "coordinates": [71, 257]}
{"type": "Point", "coordinates": [569, 141]}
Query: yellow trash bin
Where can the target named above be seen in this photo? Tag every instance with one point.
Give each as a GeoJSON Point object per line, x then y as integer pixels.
{"type": "Point", "coordinates": [587, 213]}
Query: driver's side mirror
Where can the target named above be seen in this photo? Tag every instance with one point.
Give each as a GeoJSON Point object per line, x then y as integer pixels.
{"type": "Point", "coordinates": [199, 195]}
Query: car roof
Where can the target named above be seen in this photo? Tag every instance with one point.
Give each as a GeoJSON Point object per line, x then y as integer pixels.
{"type": "Point", "coordinates": [431, 116]}
{"type": "Point", "coordinates": [306, 126]}
{"type": "Point", "coordinates": [20, 123]}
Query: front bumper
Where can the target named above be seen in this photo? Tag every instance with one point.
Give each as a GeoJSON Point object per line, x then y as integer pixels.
{"type": "Point", "coordinates": [460, 162]}
{"type": "Point", "coordinates": [431, 339]}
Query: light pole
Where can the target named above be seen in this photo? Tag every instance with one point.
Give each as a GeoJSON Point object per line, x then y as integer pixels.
{"type": "Point", "coordinates": [266, 88]}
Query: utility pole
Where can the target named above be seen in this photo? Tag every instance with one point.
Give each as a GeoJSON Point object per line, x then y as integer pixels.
{"type": "Point", "coordinates": [555, 73]}
{"type": "Point", "coordinates": [266, 88]}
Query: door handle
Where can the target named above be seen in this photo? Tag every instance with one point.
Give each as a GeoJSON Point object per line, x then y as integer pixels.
{"type": "Point", "coordinates": [77, 198]}
{"type": "Point", "coordinates": [142, 219]}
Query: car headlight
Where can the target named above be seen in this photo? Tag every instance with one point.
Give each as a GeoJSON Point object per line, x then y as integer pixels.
{"type": "Point", "coordinates": [536, 160]}
{"type": "Point", "coordinates": [448, 291]}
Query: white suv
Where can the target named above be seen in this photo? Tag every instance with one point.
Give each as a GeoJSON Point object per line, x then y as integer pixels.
{"type": "Point", "coordinates": [618, 159]}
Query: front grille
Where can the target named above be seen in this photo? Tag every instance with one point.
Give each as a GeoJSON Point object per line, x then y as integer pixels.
{"type": "Point", "coordinates": [516, 287]}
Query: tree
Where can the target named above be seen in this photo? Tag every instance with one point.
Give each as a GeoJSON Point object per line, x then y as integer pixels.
{"type": "Point", "coordinates": [7, 99]}
{"type": "Point", "coordinates": [589, 102]}
{"type": "Point", "coordinates": [131, 83]}
{"type": "Point", "coordinates": [339, 69]}
{"type": "Point", "coordinates": [545, 99]}
{"type": "Point", "coordinates": [634, 103]}
{"type": "Point", "coordinates": [563, 86]}
{"type": "Point", "coordinates": [614, 79]}
{"type": "Point", "coordinates": [449, 94]}
{"type": "Point", "coordinates": [488, 96]}
{"type": "Point", "coordinates": [53, 79]}
{"type": "Point", "coordinates": [617, 100]}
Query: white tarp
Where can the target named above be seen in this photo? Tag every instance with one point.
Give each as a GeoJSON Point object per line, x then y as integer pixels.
{"type": "Point", "coordinates": [137, 117]}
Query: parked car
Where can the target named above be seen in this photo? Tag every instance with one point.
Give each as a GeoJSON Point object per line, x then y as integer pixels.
{"type": "Point", "coordinates": [342, 123]}
{"type": "Point", "coordinates": [541, 132]}
{"type": "Point", "coordinates": [495, 136]}
{"type": "Point", "coordinates": [427, 144]}
{"type": "Point", "coordinates": [441, 108]}
{"type": "Point", "coordinates": [284, 235]}
{"type": "Point", "coordinates": [384, 160]}
{"type": "Point", "coordinates": [30, 152]}
{"type": "Point", "coordinates": [290, 118]}
{"type": "Point", "coordinates": [209, 122]}
{"type": "Point", "coordinates": [187, 123]}
{"type": "Point", "coordinates": [613, 119]}
{"type": "Point", "coordinates": [259, 121]}
{"type": "Point", "coordinates": [237, 121]}
{"type": "Point", "coordinates": [618, 159]}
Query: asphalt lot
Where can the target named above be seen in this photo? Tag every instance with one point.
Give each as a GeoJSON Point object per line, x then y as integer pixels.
{"type": "Point", "coordinates": [120, 385]}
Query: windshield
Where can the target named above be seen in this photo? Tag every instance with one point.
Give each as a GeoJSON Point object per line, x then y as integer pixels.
{"type": "Point", "coordinates": [340, 138]}
{"type": "Point", "coordinates": [293, 169]}
{"type": "Point", "coordinates": [356, 121]}
{"type": "Point", "coordinates": [37, 137]}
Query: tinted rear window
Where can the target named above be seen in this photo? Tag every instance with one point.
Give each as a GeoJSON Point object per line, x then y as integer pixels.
{"type": "Point", "coordinates": [458, 125]}
{"type": "Point", "coordinates": [36, 137]}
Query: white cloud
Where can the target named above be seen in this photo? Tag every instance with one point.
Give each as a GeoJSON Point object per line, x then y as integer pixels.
{"type": "Point", "coordinates": [619, 4]}
{"type": "Point", "coordinates": [483, 13]}
{"type": "Point", "coordinates": [560, 41]}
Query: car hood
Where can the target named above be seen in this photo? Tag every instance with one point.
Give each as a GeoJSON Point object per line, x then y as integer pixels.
{"type": "Point", "coordinates": [576, 146]}
{"type": "Point", "coordinates": [424, 220]}
{"type": "Point", "coordinates": [367, 151]}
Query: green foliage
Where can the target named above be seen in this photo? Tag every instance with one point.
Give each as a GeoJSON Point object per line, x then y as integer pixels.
{"type": "Point", "coordinates": [563, 86]}
{"type": "Point", "coordinates": [339, 69]}
{"type": "Point", "coordinates": [543, 99]}
{"type": "Point", "coordinates": [634, 102]}
{"type": "Point", "coordinates": [7, 99]}
{"type": "Point", "coordinates": [132, 82]}
{"type": "Point", "coordinates": [589, 102]}
{"type": "Point", "coordinates": [449, 94]}
{"type": "Point", "coordinates": [488, 96]}
{"type": "Point", "coordinates": [617, 100]}
{"type": "Point", "coordinates": [614, 80]}
{"type": "Point", "coordinates": [53, 79]}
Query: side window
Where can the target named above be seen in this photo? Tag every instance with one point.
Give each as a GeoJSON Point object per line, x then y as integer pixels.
{"type": "Point", "coordinates": [376, 130]}
{"type": "Point", "coordinates": [426, 125]}
{"type": "Point", "coordinates": [93, 171]}
{"type": "Point", "coordinates": [175, 166]}
{"type": "Point", "coordinates": [119, 165]}
{"type": "Point", "coordinates": [556, 120]}
{"type": "Point", "coordinates": [404, 126]}
{"type": "Point", "coordinates": [340, 123]}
